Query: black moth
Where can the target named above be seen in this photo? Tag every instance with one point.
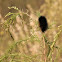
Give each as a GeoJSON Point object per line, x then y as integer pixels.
{"type": "Point", "coordinates": [43, 23]}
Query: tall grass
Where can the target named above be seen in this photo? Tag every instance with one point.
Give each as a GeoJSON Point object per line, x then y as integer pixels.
{"type": "Point", "coordinates": [14, 53]}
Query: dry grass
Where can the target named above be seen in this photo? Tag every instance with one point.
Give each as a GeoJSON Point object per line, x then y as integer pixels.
{"type": "Point", "coordinates": [21, 39]}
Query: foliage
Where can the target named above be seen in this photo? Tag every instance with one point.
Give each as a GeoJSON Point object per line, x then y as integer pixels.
{"type": "Point", "coordinates": [12, 56]}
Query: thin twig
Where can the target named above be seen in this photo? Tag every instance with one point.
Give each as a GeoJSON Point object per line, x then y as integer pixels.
{"type": "Point", "coordinates": [44, 49]}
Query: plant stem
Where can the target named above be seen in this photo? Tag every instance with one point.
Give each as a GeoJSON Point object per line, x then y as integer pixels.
{"type": "Point", "coordinates": [44, 49]}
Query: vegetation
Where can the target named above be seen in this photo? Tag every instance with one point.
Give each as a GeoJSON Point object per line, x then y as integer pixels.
{"type": "Point", "coordinates": [27, 40]}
